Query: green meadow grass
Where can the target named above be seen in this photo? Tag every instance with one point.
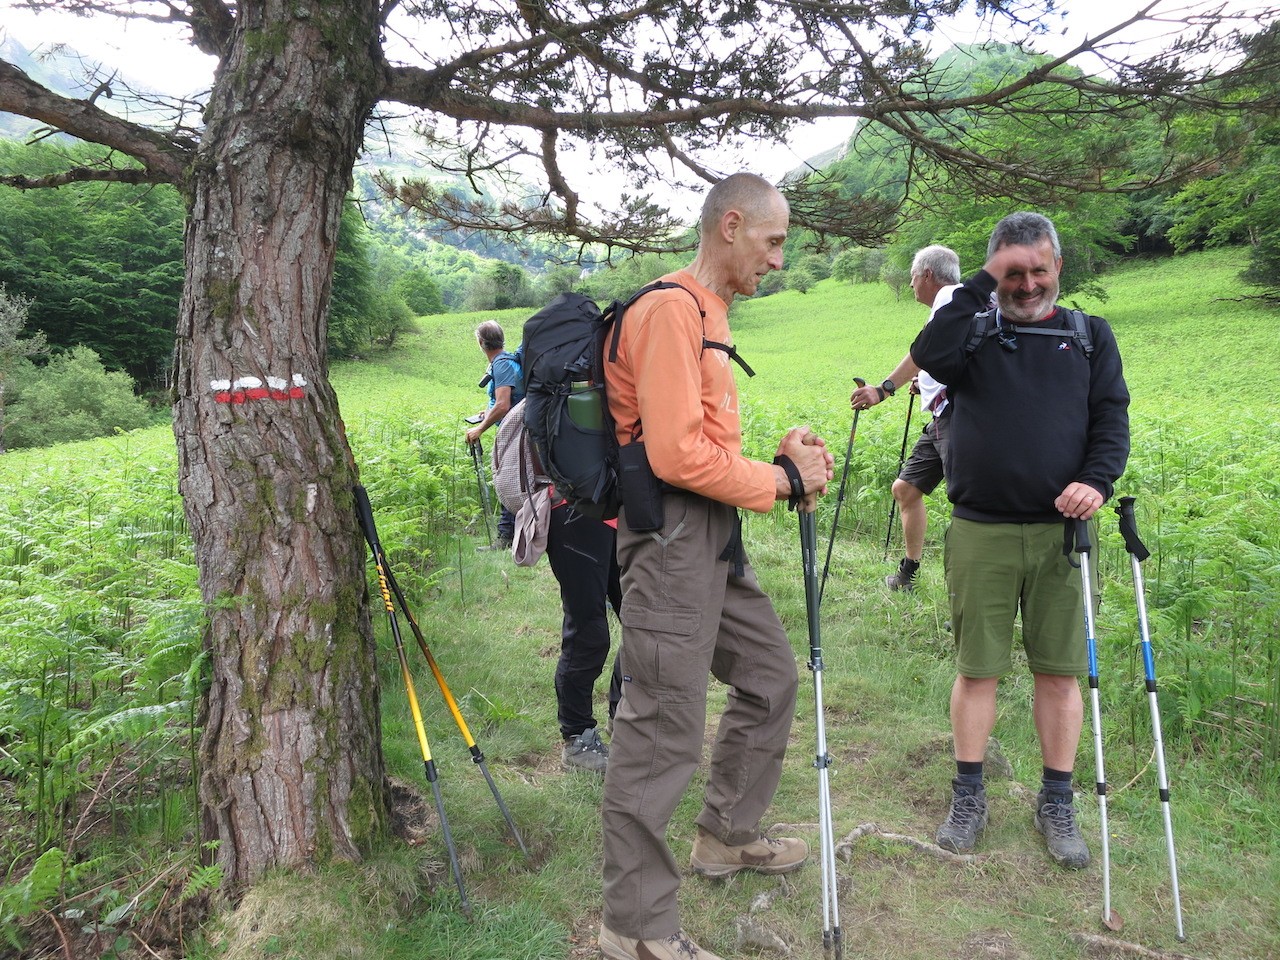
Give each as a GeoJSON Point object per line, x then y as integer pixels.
{"type": "Point", "coordinates": [100, 615]}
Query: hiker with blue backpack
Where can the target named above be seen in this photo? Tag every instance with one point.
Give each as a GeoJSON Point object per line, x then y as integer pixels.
{"type": "Point", "coordinates": [505, 382]}
{"type": "Point", "coordinates": [691, 604]}
{"type": "Point", "coordinates": [1039, 434]}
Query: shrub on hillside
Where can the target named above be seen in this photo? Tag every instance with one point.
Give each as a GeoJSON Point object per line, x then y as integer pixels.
{"type": "Point", "coordinates": [420, 292]}
{"type": "Point", "coordinates": [859, 265]}
{"type": "Point", "coordinates": [800, 279]}
{"type": "Point", "coordinates": [72, 398]}
{"type": "Point", "coordinates": [896, 276]}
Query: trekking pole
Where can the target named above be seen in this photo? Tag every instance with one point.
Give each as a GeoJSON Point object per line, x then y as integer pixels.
{"type": "Point", "coordinates": [844, 476]}
{"type": "Point", "coordinates": [902, 458]}
{"type": "Point", "coordinates": [831, 934]}
{"type": "Point", "coordinates": [477, 757]}
{"type": "Point", "coordinates": [365, 516]}
{"type": "Point", "coordinates": [477, 458]}
{"type": "Point", "coordinates": [1079, 531]}
{"type": "Point", "coordinates": [1137, 553]}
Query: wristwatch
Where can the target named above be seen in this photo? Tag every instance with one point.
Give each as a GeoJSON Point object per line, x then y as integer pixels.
{"type": "Point", "coordinates": [888, 387]}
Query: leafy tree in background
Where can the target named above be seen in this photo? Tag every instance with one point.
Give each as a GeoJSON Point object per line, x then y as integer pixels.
{"type": "Point", "coordinates": [102, 263]}
{"type": "Point", "coordinates": [895, 276]}
{"type": "Point", "coordinates": [352, 301]}
{"type": "Point", "coordinates": [419, 292]}
{"type": "Point", "coordinates": [72, 397]}
{"type": "Point", "coordinates": [1240, 206]}
{"type": "Point", "coordinates": [500, 286]}
{"type": "Point", "coordinates": [798, 278]}
{"type": "Point", "coordinates": [291, 768]}
{"type": "Point", "coordinates": [858, 265]}
{"type": "Point", "coordinates": [14, 347]}
{"type": "Point", "coordinates": [559, 279]}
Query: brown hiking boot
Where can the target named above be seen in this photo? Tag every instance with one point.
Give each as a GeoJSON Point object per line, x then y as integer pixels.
{"type": "Point", "coordinates": [678, 946]}
{"type": "Point", "coordinates": [769, 855]}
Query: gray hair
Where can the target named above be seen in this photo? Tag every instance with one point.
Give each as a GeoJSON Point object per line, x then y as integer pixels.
{"type": "Point", "coordinates": [942, 262]}
{"type": "Point", "coordinates": [490, 336]}
{"type": "Point", "coordinates": [1023, 229]}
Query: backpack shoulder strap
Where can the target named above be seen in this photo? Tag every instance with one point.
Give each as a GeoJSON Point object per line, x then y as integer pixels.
{"type": "Point", "coordinates": [1080, 322]}
{"type": "Point", "coordinates": [706, 344]}
{"type": "Point", "coordinates": [982, 326]}
{"type": "Point", "coordinates": [986, 324]}
{"type": "Point", "coordinates": [617, 310]}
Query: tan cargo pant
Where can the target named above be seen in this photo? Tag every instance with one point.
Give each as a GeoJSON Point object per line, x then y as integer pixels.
{"type": "Point", "coordinates": [684, 616]}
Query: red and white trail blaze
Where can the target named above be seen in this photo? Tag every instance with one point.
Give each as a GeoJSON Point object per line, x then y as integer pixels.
{"type": "Point", "coordinates": [251, 388]}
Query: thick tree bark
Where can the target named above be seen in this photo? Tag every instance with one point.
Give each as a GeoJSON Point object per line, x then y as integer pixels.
{"type": "Point", "coordinates": [292, 769]}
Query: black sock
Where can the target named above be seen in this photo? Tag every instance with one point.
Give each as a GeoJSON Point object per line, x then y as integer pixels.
{"type": "Point", "coordinates": [1056, 785]}
{"type": "Point", "coordinates": [968, 777]}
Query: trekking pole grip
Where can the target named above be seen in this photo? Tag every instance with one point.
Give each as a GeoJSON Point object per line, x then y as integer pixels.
{"type": "Point", "coordinates": [364, 513]}
{"type": "Point", "coordinates": [1129, 529]}
{"type": "Point", "coordinates": [1081, 529]}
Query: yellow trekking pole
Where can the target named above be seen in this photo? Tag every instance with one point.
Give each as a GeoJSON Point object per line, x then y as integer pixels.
{"type": "Point", "coordinates": [477, 757]}
{"type": "Point", "coordinates": [365, 515]}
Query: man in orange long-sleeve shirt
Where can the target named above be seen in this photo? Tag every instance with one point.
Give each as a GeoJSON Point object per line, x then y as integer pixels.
{"type": "Point", "coordinates": [691, 604]}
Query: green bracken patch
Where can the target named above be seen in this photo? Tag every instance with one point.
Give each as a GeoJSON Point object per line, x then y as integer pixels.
{"type": "Point", "coordinates": [101, 673]}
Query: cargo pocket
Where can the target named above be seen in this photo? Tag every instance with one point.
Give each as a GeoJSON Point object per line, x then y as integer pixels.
{"type": "Point", "coordinates": [663, 650]}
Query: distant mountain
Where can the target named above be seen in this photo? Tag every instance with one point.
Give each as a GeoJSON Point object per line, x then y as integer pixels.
{"type": "Point", "coordinates": [69, 73]}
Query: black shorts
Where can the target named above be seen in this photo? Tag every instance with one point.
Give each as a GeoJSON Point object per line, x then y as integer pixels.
{"type": "Point", "coordinates": [923, 469]}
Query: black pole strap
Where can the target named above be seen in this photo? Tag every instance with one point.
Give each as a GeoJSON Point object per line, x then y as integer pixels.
{"type": "Point", "coordinates": [793, 477]}
{"type": "Point", "coordinates": [1129, 529]}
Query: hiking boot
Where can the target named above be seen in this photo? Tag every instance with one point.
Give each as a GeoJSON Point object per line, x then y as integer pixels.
{"type": "Point", "coordinates": [965, 821]}
{"type": "Point", "coordinates": [586, 751]}
{"type": "Point", "coordinates": [905, 577]}
{"type": "Point", "coordinates": [770, 855]}
{"type": "Point", "coordinates": [678, 946]}
{"type": "Point", "coordinates": [502, 543]}
{"type": "Point", "coordinates": [1056, 819]}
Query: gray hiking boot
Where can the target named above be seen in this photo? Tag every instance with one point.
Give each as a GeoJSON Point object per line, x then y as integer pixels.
{"type": "Point", "coordinates": [905, 576]}
{"type": "Point", "coordinates": [586, 751]}
{"type": "Point", "coordinates": [965, 821]}
{"type": "Point", "coordinates": [1056, 819]}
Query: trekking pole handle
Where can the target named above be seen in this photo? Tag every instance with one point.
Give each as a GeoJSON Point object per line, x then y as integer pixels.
{"type": "Point", "coordinates": [364, 513]}
{"type": "Point", "coordinates": [1075, 538]}
{"type": "Point", "coordinates": [859, 381]}
{"type": "Point", "coordinates": [1129, 529]}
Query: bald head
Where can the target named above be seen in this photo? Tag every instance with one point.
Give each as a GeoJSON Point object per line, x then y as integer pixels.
{"type": "Point", "coordinates": [752, 196]}
{"type": "Point", "coordinates": [743, 227]}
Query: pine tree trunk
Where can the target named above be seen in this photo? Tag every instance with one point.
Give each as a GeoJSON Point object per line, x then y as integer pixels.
{"type": "Point", "coordinates": [291, 762]}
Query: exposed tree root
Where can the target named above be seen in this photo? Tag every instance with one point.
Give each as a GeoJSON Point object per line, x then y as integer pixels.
{"type": "Point", "coordinates": [844, 847]}
{"type": "Point", "coordinates": [1100, 946]}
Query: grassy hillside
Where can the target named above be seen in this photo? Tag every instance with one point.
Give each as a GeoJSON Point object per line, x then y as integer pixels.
{"type": "Point", "coordinates": [100, 587]}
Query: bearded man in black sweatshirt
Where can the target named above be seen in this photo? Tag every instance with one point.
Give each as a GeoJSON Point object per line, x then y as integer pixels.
{"type": "Point", "coordinates": [1039, 435]}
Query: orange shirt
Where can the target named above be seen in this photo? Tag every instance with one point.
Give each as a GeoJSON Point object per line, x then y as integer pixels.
{"type": "Point", "coordinates": [684, 396]}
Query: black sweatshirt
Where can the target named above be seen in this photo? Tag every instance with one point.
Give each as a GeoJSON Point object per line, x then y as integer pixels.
{"type": "Point", "coordinates": [1025, 423]}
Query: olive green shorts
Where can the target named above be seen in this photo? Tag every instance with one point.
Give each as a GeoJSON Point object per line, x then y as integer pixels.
{"type": "Point", "coordinates": [995, 570]}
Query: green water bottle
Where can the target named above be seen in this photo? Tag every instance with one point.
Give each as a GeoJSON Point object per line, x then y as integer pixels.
{"type": "Point", "coordinates": [584, 405]}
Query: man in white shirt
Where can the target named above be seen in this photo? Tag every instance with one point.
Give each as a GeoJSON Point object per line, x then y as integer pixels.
{"type": "Point", "coordinates": [935, 273]}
